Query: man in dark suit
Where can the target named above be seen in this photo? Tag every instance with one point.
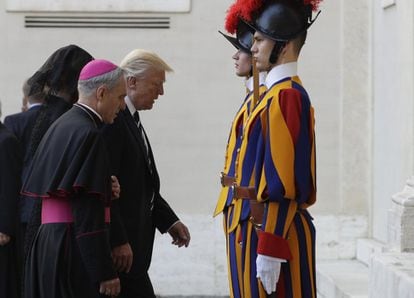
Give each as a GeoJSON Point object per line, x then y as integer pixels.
{"type": "Point", "coordinates": [21, 125]}
{"type": "Point", "coordinates": [141, 208]}
{"type": "Point", "coordinates": [10, 171]}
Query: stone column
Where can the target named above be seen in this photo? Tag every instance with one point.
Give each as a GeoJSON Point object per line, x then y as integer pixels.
{"type": "Point", "coordinates": [392, 273]}
{"type": "Point", "coordinates": [401, 220]}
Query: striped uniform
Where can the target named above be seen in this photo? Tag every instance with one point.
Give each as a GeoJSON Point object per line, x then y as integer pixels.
{"type": "Point", "coordinates": [277, 156]}
{"type": "Point", "coordinates": [226, 202]}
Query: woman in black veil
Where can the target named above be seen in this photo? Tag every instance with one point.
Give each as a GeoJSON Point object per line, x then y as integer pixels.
{"type": "Point", "coordinates": [57, 78]}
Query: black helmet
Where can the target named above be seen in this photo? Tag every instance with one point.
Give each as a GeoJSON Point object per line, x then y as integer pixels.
{"type": "Point", "coordinates": [244, 38]}
{"type": "Point", "coordinates": [281, 21]}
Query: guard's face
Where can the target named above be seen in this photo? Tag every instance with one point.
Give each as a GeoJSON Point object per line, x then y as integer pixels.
{"type": "Point", "coordinates": [242, 63]}
{"type": "Point", "coordinates": [261, 51]}
{"type": "Point", "coordinates": [112, 101]}
{"type": "Point", "coordinates": [144, 90]}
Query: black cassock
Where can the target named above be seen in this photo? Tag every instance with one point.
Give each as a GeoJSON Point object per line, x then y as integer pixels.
{"type": "Point", "coordinates": [69, 257]}
{"type": "Point", "coordinates": [10, 171]}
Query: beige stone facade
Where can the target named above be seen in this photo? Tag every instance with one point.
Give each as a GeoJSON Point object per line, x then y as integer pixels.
{"type": "Point", "coordinates": [358, 68]}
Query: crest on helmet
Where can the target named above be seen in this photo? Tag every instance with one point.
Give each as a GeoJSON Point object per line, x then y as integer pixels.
{"type": "Point", "coordinates": [238, 13]}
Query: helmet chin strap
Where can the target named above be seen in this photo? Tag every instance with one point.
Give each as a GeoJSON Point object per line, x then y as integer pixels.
{"type": "Point", "coordinates": [277, 49]}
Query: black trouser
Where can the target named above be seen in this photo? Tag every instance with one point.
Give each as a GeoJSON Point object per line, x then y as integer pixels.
{"type": "Point", "coordinates": [136, 286]}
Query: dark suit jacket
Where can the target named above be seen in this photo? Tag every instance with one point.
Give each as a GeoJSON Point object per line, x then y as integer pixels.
{"type": "Point", "coordinates": [10, 171]}
{"type": "Point", "coordinates": [139, 185]}
{"type": "Point", "coordinates": [21, 124]}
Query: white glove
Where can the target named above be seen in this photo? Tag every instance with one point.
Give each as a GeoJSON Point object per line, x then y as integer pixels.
{"type": "Point", "coordinates": [268, 270]}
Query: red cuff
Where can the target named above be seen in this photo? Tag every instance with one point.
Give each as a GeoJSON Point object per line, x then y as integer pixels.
{"type": "Point", "coordinates": [273, 246]}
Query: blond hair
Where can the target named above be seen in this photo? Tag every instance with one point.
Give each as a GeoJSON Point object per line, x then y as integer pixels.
{"type": "Point", "coordinates": [138, 61]}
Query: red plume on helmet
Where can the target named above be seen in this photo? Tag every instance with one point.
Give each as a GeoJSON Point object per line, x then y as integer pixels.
{"type": "Point", "coordinates": [235, 25]}
{"type": "Point", "coordinates": [313, 3]}
{"type": "Point", "coordinates": [244, 9]}
{"type": "Point", "coordinates": [249, 8]}
{"type": "Point", "coordinates": [232, 17]}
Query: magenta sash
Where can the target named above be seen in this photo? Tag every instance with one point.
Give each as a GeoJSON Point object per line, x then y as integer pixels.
{"type": "Point", "coordinates": [58, 210]}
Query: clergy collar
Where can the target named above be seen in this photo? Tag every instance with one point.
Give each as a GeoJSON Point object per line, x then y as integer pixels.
{"type": "Point", "coordinates": [249, 82]}
{"type": "Point", "coordinates": [90, 109]}
{"type": "Point", "coordinates": [280, 72]}
{"type": "Point", "coordinates": [130, 105]}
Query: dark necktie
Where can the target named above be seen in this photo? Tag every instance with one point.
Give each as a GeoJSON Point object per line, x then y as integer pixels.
{"type": "Point", "coordinates": [136, 117]}
{"type": "Point", "coordinates": [141, 131]}
{"type": "Point", "coordinates": [144, 139]}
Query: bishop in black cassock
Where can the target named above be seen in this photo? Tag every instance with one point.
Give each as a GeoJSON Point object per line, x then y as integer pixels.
{"type": "Point", "coordinates": [70, 255]}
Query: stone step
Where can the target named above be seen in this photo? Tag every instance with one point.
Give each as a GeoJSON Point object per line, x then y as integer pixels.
{"type": "Point", "coordinates": [342, 279]}
{"type": "Point", "coordinates": [367, 247]}
{"type": "Point", "coordinates": [392, 275]}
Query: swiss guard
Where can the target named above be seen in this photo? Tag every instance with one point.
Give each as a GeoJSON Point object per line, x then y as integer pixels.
{"type": "Point", "coordinates": [254, 83]}
{"type": "Point", "coordinates": [274, 168]}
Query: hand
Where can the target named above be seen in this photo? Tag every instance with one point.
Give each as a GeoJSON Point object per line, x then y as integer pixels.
{"type": "Point", "coordinates": [110, 287]}
{"type": "Point", "coordinates": [122, 257]}
{"type": "Point", "coordinates": [116, 187]}
{"type": "Point", "coordinates": [180, 234]}
{"type": "Point", "coordinates": [4, 239]}
{"type": "Point", "coordinates": [268, 271]}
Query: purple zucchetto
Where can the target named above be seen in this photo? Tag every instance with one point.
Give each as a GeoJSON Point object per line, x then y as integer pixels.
{"type": "Point", "coordinates": [96, 68]}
